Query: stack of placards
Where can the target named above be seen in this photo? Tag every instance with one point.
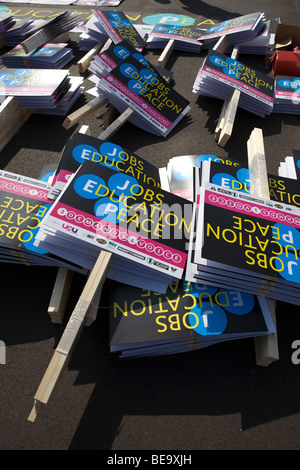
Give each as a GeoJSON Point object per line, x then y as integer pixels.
{"type": "Point", "coordinates": [242, 241]}
{"type": "Point", "coordinates": [7, 20]}
{"type": "Point", "coordinates": [52, 56]}
{"type": "Point", "coordinates": [157, 106]}
{"type": "Point", "coordinates": [186, 38]}
{"type": "Point", "coordinates": [220, 75]}
{"type": "Point", "coordinates": [188, 317]}
{"type": "Point", "coordinates": [93, 34]}
{"type": "Point", "coordinates": [24, 203]}
{"type": "Point", "coordinates": [115, 54]}
{"type": "Point", "coordinates": [234, 176]}
{"type": "Point", "coordinates": [290, 168]}
{"type": "Point", "coordinates": [51, 29]}
{"type": "Point", "coordinates": [145, 228]}
{"type": "Point", "coordinates": [81, 147]}
{"type": "Point", "coordinates": [35, 88]}
{"type": "Point", "coordinates": [261, 44]}
{"type": "Point", "coordinates": [287, 95]}
{"type": "Point", "coordinates": [119, 27]}
{"type": "Point", "coordinates": [237, 30]}
{"type": "Point", "coordinates": [68, 100]}
{"type": "Point", "coordinates": [19, 31]}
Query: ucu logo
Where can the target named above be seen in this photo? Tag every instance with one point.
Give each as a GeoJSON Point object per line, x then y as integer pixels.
{"type": "Point", "coordinates": [69, 228]}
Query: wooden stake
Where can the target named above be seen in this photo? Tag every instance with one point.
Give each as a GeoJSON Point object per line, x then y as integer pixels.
{"type": "Point", "coordinates": [84, 111]}
{"type": "Point", "coordinates": [85, 61]}
{"type": "Point", "coordinates": [110, 130]}
{"type": "Point", "coordinates": [110, 115]}
{"type": "Point", "coordinates": [266, 347]}
{"type": "Point", "coordinates": [258, 174]}
{"type": "Point", "coordinates": [222, 44]}
{"type": "Point", "coordinates": [226, 120]}
{"type": "Point", "coordinates": [62, 286]}
{"type": "Point", "coordinates": [71, 333]}
{"type": "Point", "coordinates": [60, 295]}
{"type": "Point", "coordinates": [164, 57]}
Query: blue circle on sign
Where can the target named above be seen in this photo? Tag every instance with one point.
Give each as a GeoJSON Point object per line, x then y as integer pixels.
{"type": "Point", "coordinates": [108, 210]}
{"type": "Point", "coordinates": [83, 152]}
{"type": "Point", "coordinates": [288, 235]}
{"type": "Point", "coordinates": [231, 72]}
{"type": "Point", "coordinates": [243, 176]}
{"type": "Point", "coordinates": [128, 70]}
{"type": "Point", "coordinates": [90, 186]}
{"type": "Point", "coordinates": [121, 52]}
{"type": "Point", "coordinates": [240, 303]}
{"type": "Point", "coordinates": [112, 154]}
{"type": "Point", "coordinates": [121, 183]}
{"type": "Point", "coordinates": [168, 18]}
{"type": "Point", "coordinates": [148, 76]}
{"type": "Point", "coordinates": [212, 319]}
{"type": "Point", "coordinates": [285, 83]}
{"type": "Point", "coordinates": [234, 63]}
{"type": "Point", "coordinates": [288, 268]}
{"type": "Point", "coordinates": [140, 58]}
{"type": "Point", "coordinates": [115, 16]}
{"type": "Point", "coordinates": [218, 61]}
{"type": "Point", "coordinates": [127, 24]}
{"type": "Point", "coordinates": [136, 87]}
{"type": "Point", "coordinates": [201, 159]}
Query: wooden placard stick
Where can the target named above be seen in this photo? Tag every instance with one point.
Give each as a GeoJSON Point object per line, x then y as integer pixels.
{"type": "Point", "coordinates": [63, 282]}
{"type": "Point", "coordinates": [110, 115]}
{"type": "Point", "coordinates": [266, 347]}
{"type": "Point", "coordinates": [59, 296]}
{"type": "Point", "coordinates": [166, 53]}
{"type": "Point", "coordinates": [71, 333]}
{"type": "Point", "coordinates": [84, 111]}
{"type": "Point", "coordinates": [115, 125]}
{"type": "Point", "coordinates": [227, 116]}
{"type": "Point", "coordinates": [220, 124]}
{"type": "Point", "coordinates": [84, 62]}
{"type": "Point", "coordinates": [222, 44]}
{"type": "Point", "coordinates": [258, 175]}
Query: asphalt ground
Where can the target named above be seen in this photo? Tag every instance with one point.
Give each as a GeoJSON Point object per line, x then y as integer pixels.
{"type": "Point", "coordinates": [213, 399]}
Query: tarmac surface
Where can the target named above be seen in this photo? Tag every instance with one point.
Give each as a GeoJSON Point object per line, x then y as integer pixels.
{"type": "Point", "coordinates": [213, 399]}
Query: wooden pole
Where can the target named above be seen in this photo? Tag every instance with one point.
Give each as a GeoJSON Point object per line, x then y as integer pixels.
{"type": "Point", "coordinates": [116, 125]}
{"type": "Point", "coordinates": [85, 61]}
{"type": "Point", "coordinates": [84, 111]}
{"type": "Point", "coordinates": [165, 55]}
{"type": "Point", "coordinates": [266, 347]}
{"type": "Point", "coordinates": [226, 120]}
{"type": "Point", "coordinates": [71, 333]}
